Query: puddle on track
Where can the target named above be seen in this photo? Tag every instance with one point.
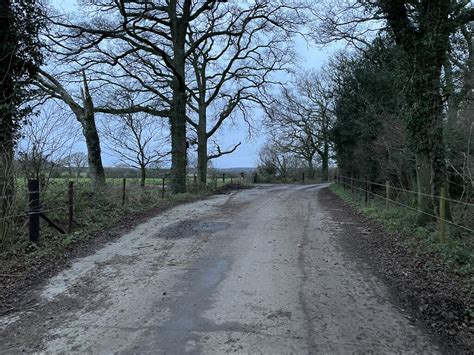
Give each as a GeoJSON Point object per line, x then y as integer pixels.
{"type": "Point", "coordinates": [188, 229]}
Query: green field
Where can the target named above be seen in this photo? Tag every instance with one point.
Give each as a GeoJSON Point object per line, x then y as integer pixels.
{"type": "Point", "coordinates": [95, 209]}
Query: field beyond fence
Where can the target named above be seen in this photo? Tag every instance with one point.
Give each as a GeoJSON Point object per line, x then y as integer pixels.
{"type": "Point", "coordinates": [71, 207]}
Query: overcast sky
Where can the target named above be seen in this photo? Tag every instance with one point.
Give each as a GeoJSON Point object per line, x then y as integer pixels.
{"type": "Point", "coordinates": [247, 154]}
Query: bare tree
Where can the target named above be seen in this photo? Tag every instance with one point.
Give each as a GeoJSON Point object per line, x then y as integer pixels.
{"type": "Point", "coordinates": [275, 163]}
{"type": "Point", "coordinates": [84, 111]}
{"type": "Point", "coordinates": [233, 69]}
{"type": "Point", "coordinates": [45, 143]}
{"type": "Point", "coordinates": [76, 161]}
{"type": "Point", "coordinates": [300, 120]}
{"type": "Point", "coordinates": [315, 91]}
{"type": "Point", "coordinates": [148, 43]}
{"type": "Point", "coordinates": [138, 141]}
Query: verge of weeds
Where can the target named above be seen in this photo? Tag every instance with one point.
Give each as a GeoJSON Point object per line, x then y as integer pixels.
{"type": "Point", "coordinates": [422, 239]}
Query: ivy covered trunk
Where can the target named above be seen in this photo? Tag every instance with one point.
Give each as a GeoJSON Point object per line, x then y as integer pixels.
{"type": "Point", "coordinates": [427, 46]}
{"type": "Point", "coordinates": [325, 162]}
{"type": "Point", "coordinates": [7, 125]}
{"type": "Point", "coordinates": [310, 168]}
{"type": "Point", "coordinates": [423, 180]}
{"type": "Point", "coordinates": [426, 131]}
{"type": "Point", "coordinates": [6, 173]}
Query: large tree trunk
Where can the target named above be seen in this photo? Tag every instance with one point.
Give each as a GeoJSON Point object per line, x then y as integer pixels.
{"type": "Point", "coordinates": [427, 47]}
{"type": "Point", "coordinates": [423, 180]}
{"type": "Point", "coordinates": [142, 176]}
{"type": "Point", "coordinates": [6, 177]}
{"type": "Point", "coordinates": [310, 168]}
{"type": "Point", "coordinates": [202, 159]}
{"type": "Point", "coordinates": [426, 131]}
{"type": "Point", "coordinates": [7, 126]}
{"type": "Point", "coordinates": [178, 141]}
{"type": "Point", "coordinates": [202, 142]}
{"type": "Point", "coordinates": [324, 154]}
{"type": "Point", "coordinates": [178, 112]}
{"type": "Point", "coordinates": [96, 169]}
{"type": "Point", "coordinates": [325, 162]}
{"type": "Point", "coordinates": [89, 128]}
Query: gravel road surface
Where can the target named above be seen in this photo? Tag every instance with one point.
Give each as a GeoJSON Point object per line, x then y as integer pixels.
{"type": "Point", "coordinates": [257, 271]}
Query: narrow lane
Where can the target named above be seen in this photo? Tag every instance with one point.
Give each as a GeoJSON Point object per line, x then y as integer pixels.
{"type": "Point", "coordinates": [259, 271]}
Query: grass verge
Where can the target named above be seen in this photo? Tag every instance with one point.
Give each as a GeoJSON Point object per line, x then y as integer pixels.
{"type": "Point", "coordinates": [456, 252]}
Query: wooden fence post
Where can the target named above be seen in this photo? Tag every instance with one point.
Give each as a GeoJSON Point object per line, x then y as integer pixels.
{"type": "Point", "coordinates": [34, 210]}
{"type": "Point", "coordinates": [387, 193]}
{"type": "Point", "coordinates": [366, 190]}
{"type": "Point", "coordinates": [195, 182]}
{"type": "Point", "coordinates": [163, 187]}
{"type": "Point", "coordinates": [442, 215]}
{"type": "Point", "coordinates": [303, 178]}
{"type": "Point", "coordinates": [124, 191]}
{"type": "Point", "coordinates": [70, 192]}
{"type": "Point", "coordinates": [223, 178]}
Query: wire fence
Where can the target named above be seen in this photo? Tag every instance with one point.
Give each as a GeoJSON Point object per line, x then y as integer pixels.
{"type": "Point", "coordinates": [372, 183]}
{"type": "Point", "coordinates": [66, 205]}
{"type": "Point", "coordinates": [439, 211]}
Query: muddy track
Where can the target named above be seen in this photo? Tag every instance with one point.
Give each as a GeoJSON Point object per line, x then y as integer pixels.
{"type": "Point", "coordinates": [437, 297]}
{"type": "Point", "coordinates": [259, 271]}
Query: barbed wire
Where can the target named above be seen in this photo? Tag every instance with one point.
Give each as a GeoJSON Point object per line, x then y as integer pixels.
{"type": "Point", "coordinates": [64, 193]}
{"type": "Point", "coordinates": [409, 191]}
{"type": "Point", "coordinates": [13, 217]}
{"type": "Point", "coordinates": [412, 208]}
{"type": "Point", "coordinates": [83, 203]}
{"type": "Point", "coordinates": [102, 194]}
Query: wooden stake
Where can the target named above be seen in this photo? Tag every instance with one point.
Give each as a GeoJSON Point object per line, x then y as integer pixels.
{"type": "Point", "coordinates": [124, 191]}
{"type": "Point", "coordinates": [70, 192]}
{"type": "Point", "coordinates": [163, 188]}
{"type": "Point", "coordinates": [387, 192]}
{"type": "Point", "coordinates": [442, 215]}
{"type": "Point", "coordinates": [34, 210]}
{"type": "Point", "coordinates": [366, 190]}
